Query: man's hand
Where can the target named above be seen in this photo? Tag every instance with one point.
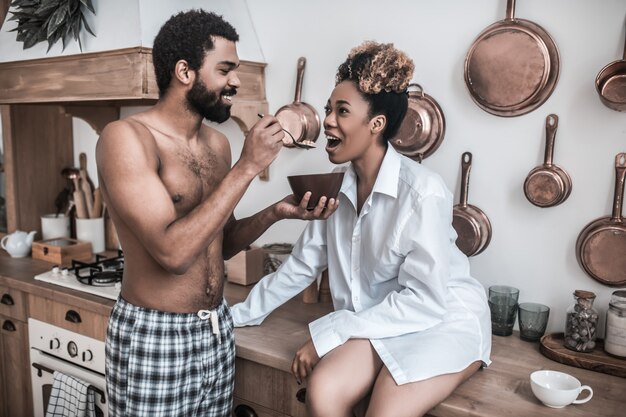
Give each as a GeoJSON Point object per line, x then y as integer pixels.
{"type": "Point", "coordinates": [305, 360]}
{"type": "Point", "coordinates": [262, 144]}
{"type": "Point", "coordinates": [289, 208]}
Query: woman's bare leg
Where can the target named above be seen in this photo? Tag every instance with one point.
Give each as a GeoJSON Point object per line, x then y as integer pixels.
{"type": "Point", "coordinates": [341, 379]}
{"type": "Point", "coordinates": [414, 399]}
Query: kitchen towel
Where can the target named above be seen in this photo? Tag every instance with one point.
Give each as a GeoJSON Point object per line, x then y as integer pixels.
{"type": "Point", "coordinates": [70, 397]}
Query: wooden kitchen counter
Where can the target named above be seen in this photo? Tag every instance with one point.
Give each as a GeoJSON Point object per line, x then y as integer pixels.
{"type": "Point", "coordinates": [503, 389]}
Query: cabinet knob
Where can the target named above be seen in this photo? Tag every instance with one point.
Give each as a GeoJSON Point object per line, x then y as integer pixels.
{"type": "Point", "coordinates": [7, 300]}
{"type": "Point", "coordinates": [243, 410]}
{"type": "Point", "coordinates": [301, 395]}
{"type": "Point", "coordinates": [73, 316]}
{"type": "Point", "coordinates": [8, 326]}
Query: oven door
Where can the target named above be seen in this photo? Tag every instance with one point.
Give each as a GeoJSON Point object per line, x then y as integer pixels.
{"type": "Point", "coordinates": [42, 368]}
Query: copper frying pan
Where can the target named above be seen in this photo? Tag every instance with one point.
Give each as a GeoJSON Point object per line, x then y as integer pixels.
{"type": "Point", "coordinates": [471, 224]}
{"type": "Point", "coordinates": [611, 84]}
{"type": "Point", "coordinates": [299, 120]}
{"type": "Point", "coordinates": [422, 128]}
{"type": "Point", "coordinates": [601, 246]}
{"type": "Point", "coordinates": [548, 185]}
{"type": "Point", "coordinates": [512, 67]}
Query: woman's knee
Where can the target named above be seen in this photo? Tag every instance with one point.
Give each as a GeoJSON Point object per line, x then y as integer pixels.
{"type": "Point", "coordinates": [325, 396]}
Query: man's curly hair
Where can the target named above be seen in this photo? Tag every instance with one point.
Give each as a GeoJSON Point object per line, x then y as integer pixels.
{"type": "Point", "coordinates": [187, 35]}
{"type": "Point", "coordinates": [382, 74]}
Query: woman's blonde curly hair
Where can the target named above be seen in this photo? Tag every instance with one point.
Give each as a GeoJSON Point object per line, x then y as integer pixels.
{"type": "Point", "coordinates": [377, 67]}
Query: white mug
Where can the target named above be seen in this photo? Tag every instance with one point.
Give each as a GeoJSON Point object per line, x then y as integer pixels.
{"type": "Point", "coordinates": [91, 230]}
{"type": "Point", "coordinates": [557, 389]}
{"type": "Point", "coordinates": [53, 226]}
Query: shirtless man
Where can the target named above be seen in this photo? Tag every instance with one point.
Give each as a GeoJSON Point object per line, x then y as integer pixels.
{"type": "Point", "coordinates": [170, 190]}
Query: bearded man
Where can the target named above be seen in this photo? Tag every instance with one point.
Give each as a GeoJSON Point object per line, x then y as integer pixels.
{"type": "Point", "coordinates": [167, 180]}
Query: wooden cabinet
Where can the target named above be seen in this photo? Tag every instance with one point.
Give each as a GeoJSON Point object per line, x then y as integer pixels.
{"type": "Point", "coordinates": [268, 391]}
{"type": "Point", "coordinates": [15, 387]}
{"type": "Point", "coordinates": [68, 316]}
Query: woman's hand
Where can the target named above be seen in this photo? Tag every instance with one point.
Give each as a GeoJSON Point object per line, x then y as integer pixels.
{"type": "Point", "coordinates": [290, 208]}
{"type": "Point", "coordinates": [305, 360]}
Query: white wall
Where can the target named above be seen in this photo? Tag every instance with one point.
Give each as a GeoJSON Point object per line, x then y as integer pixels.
{"type": "Point", "coordinates": [531, 248]}
{"type": "Point", "coordinates": [127, 23]}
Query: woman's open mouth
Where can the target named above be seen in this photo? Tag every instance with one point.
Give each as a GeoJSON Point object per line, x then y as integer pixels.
{"type": "Point", "coordinates": [332, 142]}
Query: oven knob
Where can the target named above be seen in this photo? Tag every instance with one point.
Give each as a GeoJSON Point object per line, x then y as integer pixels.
{"type": "Point", "coordinates": [55, 343]}
{"type": "Point", "coordinates": [87, 355]}
{"type": "Point", "coordinates": [72, 349]}
{"type": "Point", "coordinates": [56, 270]}
{"type": "Point", "coordinates": [64, 271]}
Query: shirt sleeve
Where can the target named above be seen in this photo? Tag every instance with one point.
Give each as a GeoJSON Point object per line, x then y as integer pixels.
{"type": "Point", "coordinates": [307, 260]}
{"type": "Point", "coordinates": [420, 304]}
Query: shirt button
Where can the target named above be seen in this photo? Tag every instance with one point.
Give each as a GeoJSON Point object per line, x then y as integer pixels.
{"type": "Point", "coordinates": [355, 298]}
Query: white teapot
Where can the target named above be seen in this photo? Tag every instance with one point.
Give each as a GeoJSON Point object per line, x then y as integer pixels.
{"type": "Point", "coordinates": [18, 243]}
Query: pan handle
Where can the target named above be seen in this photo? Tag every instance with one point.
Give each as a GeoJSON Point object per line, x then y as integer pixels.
{"type": "Point", "coordinates": [510, 10]}
{"type": "Point", "coordinates": [620, 174]}
{"type": "Point", "coordinates": [624, 56]}
{"type": "Point", "coordinates": [466, 165]}
{"type": "Point", "coordinates": [552, 123]}
{"type": "Point", "coordinates": [299, 79]}
{"type": "Point", "coordinates": [417, 88]}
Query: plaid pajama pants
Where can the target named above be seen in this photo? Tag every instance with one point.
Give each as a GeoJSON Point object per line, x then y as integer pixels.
{"type": "Point", "coordinates": [169, 364]}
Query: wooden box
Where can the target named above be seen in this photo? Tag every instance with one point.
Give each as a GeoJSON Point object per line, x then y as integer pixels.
{"type": "Point", "coordinates": [61, 251]}
{"type": "Point", "coordinates": [246, 268]}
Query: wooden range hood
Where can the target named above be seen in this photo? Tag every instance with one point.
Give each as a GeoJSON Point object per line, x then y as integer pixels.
{"type": "Point", "coordinates": [38, 95]}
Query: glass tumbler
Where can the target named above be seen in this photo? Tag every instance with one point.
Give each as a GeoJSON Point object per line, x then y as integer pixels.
{"type": "Point", "coordinates": [503, 306]}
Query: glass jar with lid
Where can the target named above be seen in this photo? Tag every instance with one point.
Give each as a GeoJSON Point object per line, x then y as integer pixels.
{"type": "Point", "coordinates": [615, 335]}
{"type": "Point", "coordinates": [581, 323]}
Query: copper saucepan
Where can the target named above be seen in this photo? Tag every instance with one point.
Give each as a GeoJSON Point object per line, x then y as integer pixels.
{"type": "Point", "coordinates": [601, 246]}
{"type": "Point", "coordinates": [548, 185]}
{"type": "Point", "coordinates": [422, 128]}
{"type": "Point", "coordinates": [611, 84]}
{"type": "Point", "coordinates": [299, 120]}
{"type": "Point", "coordinates": [512, 67]}
{"type": "Point", "coordinates": [471, 224]}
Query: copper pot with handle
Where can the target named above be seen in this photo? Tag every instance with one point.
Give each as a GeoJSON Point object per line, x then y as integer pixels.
{"type": "Point", "coordinates": [512, 67]}
{"type": "Point", "coordinates": [471, 224]}
{"type": "Point", "coordinates": [601, 245]}
{"type": "Point", "coordinates": [423, 127]}
{"type": "Point", "coordinates": [299, 120]}
{"type": "Point", "coordinates": [611, 84]}
{"type": "Point", "coordinates": [548, 185]}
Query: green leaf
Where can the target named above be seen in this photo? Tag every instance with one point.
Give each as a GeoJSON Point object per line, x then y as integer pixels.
{"type": "Point", "coordinates": [76, 29]}
{"type": "Point", "coordinates": [88, 4]}
{"type": "Point", "coordinates": [82, 17]}
{"type": "Point", "coordinates": [47, 8]}
{"type": "Point", "coordinates": [56, 20]}
{"type": "Point", "coordinates": [30, 39]}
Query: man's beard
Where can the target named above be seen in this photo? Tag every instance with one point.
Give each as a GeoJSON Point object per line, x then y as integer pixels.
{"type": "Point", "coordinates": [207, 103]}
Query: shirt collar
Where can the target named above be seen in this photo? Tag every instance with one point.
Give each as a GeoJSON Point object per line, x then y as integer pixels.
{"type": "Point", "coordinates": [386, 181]}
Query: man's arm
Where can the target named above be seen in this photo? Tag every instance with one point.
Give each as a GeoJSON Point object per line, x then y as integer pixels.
{"type": "Point", "coordinates": [128, 168]}
{"type": "Point", "coordinates": [239, 234]}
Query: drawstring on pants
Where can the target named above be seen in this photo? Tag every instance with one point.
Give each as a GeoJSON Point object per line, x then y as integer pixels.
{"type": "Point", "coordinates": [215, 324]}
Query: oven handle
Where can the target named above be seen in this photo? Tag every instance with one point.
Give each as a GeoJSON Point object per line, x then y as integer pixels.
{"type": "Point", "coordinates": [41, 368]}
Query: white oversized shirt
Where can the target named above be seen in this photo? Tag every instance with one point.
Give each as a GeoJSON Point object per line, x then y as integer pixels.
{"type": "Point", "coordinates": [390, 269]}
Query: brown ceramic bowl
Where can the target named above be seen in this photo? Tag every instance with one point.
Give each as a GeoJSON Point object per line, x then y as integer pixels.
{"type": "Point", "coordinates": [319, 184]}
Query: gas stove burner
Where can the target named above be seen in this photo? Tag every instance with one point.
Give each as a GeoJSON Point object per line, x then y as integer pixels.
{"type": "Point", "coordinates": [104, 272]}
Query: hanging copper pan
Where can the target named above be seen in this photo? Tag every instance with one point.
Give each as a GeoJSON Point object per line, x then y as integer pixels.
{"type": "Point", "coordinates": [422, 128]}
{"type": "Point", "coordinates": [299, 120]}
{"type": "Point", "coordinates": [471, 224]}
{"type": "Point", "coordinates": [601, 246]}
{"type": "Point", "coordinates": [548, 185]}
{"type": "Point", "coordinates": [512, 67]}
{"type": "Point", "coordinates": [611, 84]}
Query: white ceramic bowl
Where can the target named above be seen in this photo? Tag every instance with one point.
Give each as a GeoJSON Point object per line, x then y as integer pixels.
{"type": "Point", "coordinates": [557, 389]}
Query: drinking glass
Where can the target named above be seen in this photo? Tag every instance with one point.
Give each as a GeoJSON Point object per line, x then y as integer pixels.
{"type": "Point", "coordinates": [533, 320]}
{"type": "Point", "coordinates": [503, 306]}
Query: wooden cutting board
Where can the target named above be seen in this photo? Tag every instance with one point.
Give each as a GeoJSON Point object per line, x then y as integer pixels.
{"type": "Point", "coordinates": [552, 347]}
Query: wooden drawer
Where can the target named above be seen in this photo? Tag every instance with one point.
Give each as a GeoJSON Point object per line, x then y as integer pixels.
{"type": "Point", "coordinates": [268, 387]}
{"type": "Point", "coordinates": [68, 317]}
{"type": "Point", "coordinates": [12, 303]}
{"type": "Point", "coordinates": [243, 408]}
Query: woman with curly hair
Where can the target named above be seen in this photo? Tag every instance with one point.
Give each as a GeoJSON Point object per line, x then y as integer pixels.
{"type": "Point", "coordinates": [409, 322]}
